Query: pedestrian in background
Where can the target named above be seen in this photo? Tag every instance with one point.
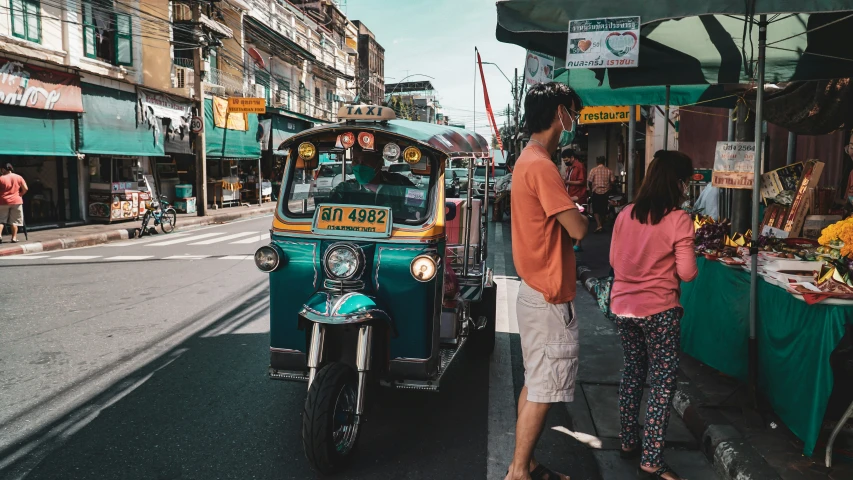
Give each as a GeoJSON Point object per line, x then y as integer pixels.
{"type": "Point", "coordinates": [651, 254]}
{"type": "Point", "coordinates": [544, 222]}
{"type": "Point", "coordinates": [12, 190]}
{"type": "Point", "coordinates": [575, 180]}
{"type": "Point", "coordinates": [601, 178]}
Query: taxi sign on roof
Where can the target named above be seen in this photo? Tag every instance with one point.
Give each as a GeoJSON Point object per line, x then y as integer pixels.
{"type": "Point", "coordinates": [366, 112]}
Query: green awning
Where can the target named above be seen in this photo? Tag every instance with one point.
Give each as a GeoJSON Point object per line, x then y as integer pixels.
{"type": "Point", "coordinates": [110, 127]}
{"type": "Point", "coordinates": [285, 126]}
{"type": "Point", "coordinates": [593, 93]}
{"type": "Point", "coordinates": [237, 143]}
{"type": "Point", "coordinates": [28, 131]}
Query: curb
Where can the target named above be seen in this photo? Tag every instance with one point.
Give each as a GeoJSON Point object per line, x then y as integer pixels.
{"type": "Point", "coordinates": [732, 456]}
{"type": "Point", "coordinates": [123, 233]}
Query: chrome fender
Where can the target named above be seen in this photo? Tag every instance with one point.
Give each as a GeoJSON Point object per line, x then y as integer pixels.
{"type": "Point", "coordinates": [332, 308]}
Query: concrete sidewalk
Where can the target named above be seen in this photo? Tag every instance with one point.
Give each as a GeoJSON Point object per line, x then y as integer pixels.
{"type": "Point", "coordinates": [95, 234]}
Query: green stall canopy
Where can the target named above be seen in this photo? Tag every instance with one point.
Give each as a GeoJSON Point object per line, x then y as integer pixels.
{"type": "Point", "coordinates": [284, 127]}
{"type": "Point", "coordinates": [237, 143]}
{"type": "Point", "coordinates": [27, 131]}
{"type": "Point", "coordinates": [110, 127]}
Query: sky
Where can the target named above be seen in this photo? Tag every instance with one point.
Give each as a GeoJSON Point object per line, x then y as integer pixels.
{"type": "Point", "coordinates": [437, 38]}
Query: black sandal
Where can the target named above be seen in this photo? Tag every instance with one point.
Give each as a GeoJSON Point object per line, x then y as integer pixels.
{"type": "Point", "coordinates": [642, 474]}
{"type": "Point", "coordinates": [541, 472]}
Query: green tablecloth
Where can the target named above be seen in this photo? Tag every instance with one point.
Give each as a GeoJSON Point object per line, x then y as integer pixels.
{"type": "Point", "coordinates": [794, 342]}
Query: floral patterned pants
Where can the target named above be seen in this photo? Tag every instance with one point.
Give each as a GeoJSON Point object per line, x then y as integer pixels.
{"type": "Point", "coordinates": [651, 346]}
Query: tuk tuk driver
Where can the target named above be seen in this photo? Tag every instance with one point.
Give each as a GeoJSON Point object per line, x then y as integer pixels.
{"type": "Point", "coordinates": [374, 186]}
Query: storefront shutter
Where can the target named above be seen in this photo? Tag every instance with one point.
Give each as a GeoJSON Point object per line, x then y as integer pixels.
{"type": "Point", "coordinates": [89, 48]}
{"type": "Point", "coordinates": [124, 39]}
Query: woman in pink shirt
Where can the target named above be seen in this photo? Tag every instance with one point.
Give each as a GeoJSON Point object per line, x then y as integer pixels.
{"type": "Point", "coordinates": [651, 254]}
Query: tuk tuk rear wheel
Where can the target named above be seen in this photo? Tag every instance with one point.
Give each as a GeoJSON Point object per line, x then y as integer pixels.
{"type": "Point", "coordinates": [483, 341]}
{"type": "Point", "coordinates": [329, 428]}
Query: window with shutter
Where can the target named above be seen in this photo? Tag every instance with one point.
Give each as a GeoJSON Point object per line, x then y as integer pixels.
{"type": "Point", "coordinates": [90, 42]}
{"type": "Point", "coordinates": [26, 19]}
{"type": "Point", "coordinates": [124, 39]}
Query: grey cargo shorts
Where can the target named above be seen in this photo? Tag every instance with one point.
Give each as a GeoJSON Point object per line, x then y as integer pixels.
{"type": "Point", "coordinates": [549, 346]}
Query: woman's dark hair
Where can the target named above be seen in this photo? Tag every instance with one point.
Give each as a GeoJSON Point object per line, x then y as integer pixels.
{"type": "Point", "coordinates": [662, 190]}
{"type": "Point", "coordinates": [541, 102]}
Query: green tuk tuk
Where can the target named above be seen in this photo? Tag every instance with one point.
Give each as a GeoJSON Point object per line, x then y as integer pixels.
{"type": "Point", "coordinates": [380, 281]}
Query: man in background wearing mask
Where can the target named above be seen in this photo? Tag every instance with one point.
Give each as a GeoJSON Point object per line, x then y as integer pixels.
{"type": "Point", "coordinates": [545, 219]}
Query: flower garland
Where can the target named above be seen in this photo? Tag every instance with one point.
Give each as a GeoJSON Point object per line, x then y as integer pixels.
{"type": "Point", "coordinates": [839, 236]}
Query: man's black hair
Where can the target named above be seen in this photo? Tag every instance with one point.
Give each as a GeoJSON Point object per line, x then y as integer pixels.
{"type": "Point", "coordinates": [601, 160]}
{"type": "Point", "coordinates": [541, 102]}
{"type": "Point", "coordinates": [568, 153]}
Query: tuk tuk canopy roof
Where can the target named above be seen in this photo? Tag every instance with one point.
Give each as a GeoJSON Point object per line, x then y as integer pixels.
{"type": "Point", "coordinates": [452, 141]}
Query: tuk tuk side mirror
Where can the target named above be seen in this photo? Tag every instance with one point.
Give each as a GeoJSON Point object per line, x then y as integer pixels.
{"type": "Point", "coordinates": [449, 211]}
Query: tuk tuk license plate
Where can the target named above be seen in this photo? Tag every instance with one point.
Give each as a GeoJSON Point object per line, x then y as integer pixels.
{"type": "Point", "coordinates": [353, 221]}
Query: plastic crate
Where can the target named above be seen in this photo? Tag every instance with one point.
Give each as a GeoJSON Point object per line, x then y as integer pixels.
{"type": "Point", "coordinates": [183, 191]}
{"type": "Point", "coordinates": [185, 205]}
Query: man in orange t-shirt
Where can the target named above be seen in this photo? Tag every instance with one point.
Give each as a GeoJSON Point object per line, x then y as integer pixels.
{"type": "Point", "coordinates": [544, 222]}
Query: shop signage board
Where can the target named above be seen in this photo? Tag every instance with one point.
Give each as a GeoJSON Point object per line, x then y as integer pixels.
{"type": "Point", "coordinates": [733, 165]}
{"type": "Point", "coordinates": [612, 42]}
{"type": "Point", "coordinates": [593, 115]}
{"type": "Point", "coordinates": [29, 86]}
{"type": "Point", "coordinates": [163, 106]}
{"type": "Point", "coordinates": [247, 105]}
{"type": "Point", "coordinates": [539, 68]}
{"type": "Point", "coordinates": [221, 111]}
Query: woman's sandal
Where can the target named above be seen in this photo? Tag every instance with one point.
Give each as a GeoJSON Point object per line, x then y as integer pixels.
{"type": "Point", "coordinates": [541, 472]}
{"type": "Point", "coordinates": [642, 474]}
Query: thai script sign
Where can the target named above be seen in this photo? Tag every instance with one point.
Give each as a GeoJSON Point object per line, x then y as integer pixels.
{"type": "Point", "coordinates": [733, 165]}
{"type": "Point", "coordinates": [604, 43]}
{"type": "Point", "coordinates": [247, 105]}
{"type": "Point", "coordinates": [538, 68]}
{"type": "Point", "coordinates": [35, 87]}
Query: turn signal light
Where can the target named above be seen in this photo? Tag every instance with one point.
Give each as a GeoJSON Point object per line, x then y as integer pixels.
{"type": "Point", "coordinates": [307, 151]}
{"type": "Point", "coordinates": [347, 139]}
{"type": "Point", "coordinates": [412, 155]}
{"type": "Point", "coordinates": [365, 140]}
{"type": "Point", "coordinates": [424, 268]}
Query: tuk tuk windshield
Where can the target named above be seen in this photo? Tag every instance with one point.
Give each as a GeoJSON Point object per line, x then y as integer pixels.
{"type": "Point", "coordinates": [368, 181]}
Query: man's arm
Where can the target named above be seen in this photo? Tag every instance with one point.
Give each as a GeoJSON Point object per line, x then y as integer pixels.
{"type": "Point", "coordinates": [574, 223]}
{"type": "Point", "coordinates": [24, 188]}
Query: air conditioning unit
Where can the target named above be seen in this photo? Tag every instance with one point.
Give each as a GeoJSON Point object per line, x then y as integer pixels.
{"type": "Point", "coordinates": [281, 96]}
{"type": "Point", "coordinates": [260, 91]}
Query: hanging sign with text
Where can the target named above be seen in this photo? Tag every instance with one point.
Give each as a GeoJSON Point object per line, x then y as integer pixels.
{"type": "Point", "coordinates": [247, 105]}
{"type": "Point", "coordinates": [539, 68]}
{"type": "Point", "coordinates": [733, 165]}
{"type": "Point", "coordinates": [604, 43]}
{"type": "Point", "coordinates": [590, 115]}
{"type": "Point", "coordinates": [29, 86]}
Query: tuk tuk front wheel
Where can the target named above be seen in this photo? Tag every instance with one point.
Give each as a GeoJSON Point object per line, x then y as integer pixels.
{"type": "Point", "coordinates": [329, 428]}
{"type": "Point", "coordinates": [483, 341]}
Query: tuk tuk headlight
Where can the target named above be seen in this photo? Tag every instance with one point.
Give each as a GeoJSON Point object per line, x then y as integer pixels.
{"type": "Point", "coordinates": [424, 268]}
{"type": "Point", "coordinates": [343, 262]}
{"type": "Point", "coordinates": [267, 259]}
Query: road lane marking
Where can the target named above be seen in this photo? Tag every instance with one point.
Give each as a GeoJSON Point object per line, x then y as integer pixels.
{"type": "Point", "coordinates": [236, 257]}
{"type": "Point", "coordinates": [23, 257]}
{"type": "Point", "coordinates": [256, 238]}
{"type": "Point", "coordinates": [223, 239]}
{"type": "Point", "coordinates": [128, 257]}
{"type": "Point", "coordinates": [186, 257]}
{"type": "Point", "coordinates": [76, 257]}
{"type": "Point", "coordinates": [184, 239]}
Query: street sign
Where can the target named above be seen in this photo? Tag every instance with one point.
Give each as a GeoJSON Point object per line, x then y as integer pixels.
{"type": "Point", "coordinates": [247, 105]}
{"type": "Point", "coordinates": [604, 42]}
{"type": "Point", "coordinates": [733, 165]}
{"type": "Point", "coordinates": [592, 115]}
{"type": "Point", "coordinates": [196, 124]}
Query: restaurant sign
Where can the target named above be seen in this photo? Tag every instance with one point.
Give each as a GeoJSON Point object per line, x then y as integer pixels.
{"type": "Point", "coordinates": [734, 165]}
{"type": "Point", "coordinates": [591, 115]}
{"type": "Point", "coordinates": [23, 85]}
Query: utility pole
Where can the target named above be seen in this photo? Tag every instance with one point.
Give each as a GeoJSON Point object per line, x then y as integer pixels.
{"type": "Point", "coordinates": [200, 144]}
{"type": "Point", "coordinates": [517, 102]}
{"type": "Point", "coordinates": [742, 198]}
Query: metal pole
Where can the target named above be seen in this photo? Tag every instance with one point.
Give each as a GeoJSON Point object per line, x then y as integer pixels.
{"type": "Point", "coordinates": [260, 183]}
{"type": "Point", "coordinates": [515, 129]}
{"type": "Point", "coordinates": [200, 146]}
{"type": "Point", "coordinates": [666, 122]}
{"type": "Point", "coordinates": [731, 135]}
{"type": "Point", "coordinates": [756, 197]}
{"type": "Point", "coordinates": [792, 147]}
{"type": "Point", "coordinates": [632, 132]}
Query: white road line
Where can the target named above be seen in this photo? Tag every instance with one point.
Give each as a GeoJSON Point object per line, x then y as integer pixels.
{"type": "Point", "coordinates": [76, 257]}
{"type": "Point", "coordinates": [223, 239]}
{"type": "Point", "coordinates": [257, 238]}
{"type": "Point", "coordinates": [236, 257]}
{"type": "Point", "coordinates": [129, 257]}
{"type": "Point", "coordinates": [184, 239]}
{"type": "Point", "coordinates": [186, 257]}
{"type": "Point", "coordinates": [23, 257]}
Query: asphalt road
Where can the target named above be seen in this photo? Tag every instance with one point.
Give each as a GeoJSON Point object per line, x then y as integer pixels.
{"type": "Point", "coordinates": [147, 359]}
